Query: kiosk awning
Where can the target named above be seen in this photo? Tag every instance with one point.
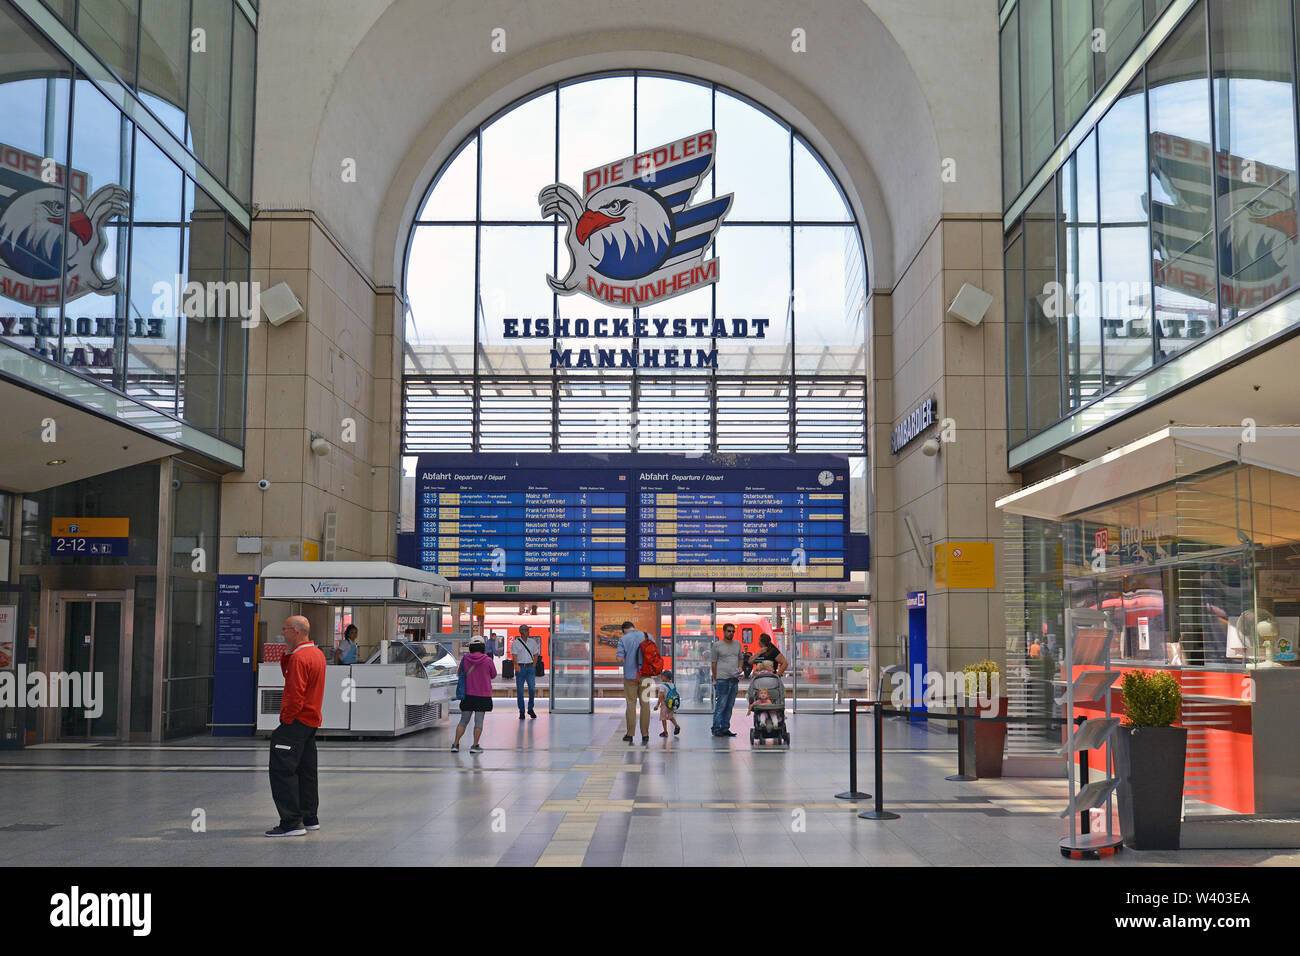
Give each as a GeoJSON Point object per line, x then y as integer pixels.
{"type": "Point", "coordinates": [1157, 459]}
{"type": "Point", "coordinates": [352, 582]}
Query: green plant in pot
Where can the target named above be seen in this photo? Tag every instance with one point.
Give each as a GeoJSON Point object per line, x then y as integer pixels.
{"type": "Point", "coordinates": [1150, 755]}
{"type": "Point", "coordinates": [990, 735]}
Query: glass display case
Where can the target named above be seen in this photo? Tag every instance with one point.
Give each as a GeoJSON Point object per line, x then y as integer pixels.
{"type": "Point", "coordinates": [427, 659]}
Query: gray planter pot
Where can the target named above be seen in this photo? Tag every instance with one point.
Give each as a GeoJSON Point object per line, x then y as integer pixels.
{"type": "Point", "coordinates": [1149, 762]}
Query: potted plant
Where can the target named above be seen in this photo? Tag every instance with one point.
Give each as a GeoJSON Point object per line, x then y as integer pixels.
{"type": "Point", "coordinates": [1149, 760]}
{"type": "Point", "coordinates": [990, 735]}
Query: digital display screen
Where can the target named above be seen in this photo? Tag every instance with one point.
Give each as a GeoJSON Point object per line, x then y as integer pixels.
{"type": "Point", "coordinates": [632, 517]}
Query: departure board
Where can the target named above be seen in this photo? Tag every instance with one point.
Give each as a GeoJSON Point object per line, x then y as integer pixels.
{"type": "Point", "coordinates": [478, 518]}
{"type": "Point", "coordinates": [632, 517]}
{"type": "Point", "coordinates": [770, 523]}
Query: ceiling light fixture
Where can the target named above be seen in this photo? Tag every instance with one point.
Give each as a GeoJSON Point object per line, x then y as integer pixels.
{"type": "Point", "coordinates": [57, 461]}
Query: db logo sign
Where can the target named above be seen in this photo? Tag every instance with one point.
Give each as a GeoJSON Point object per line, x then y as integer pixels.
{"type": "Point", "coordinates": [1101, 540]}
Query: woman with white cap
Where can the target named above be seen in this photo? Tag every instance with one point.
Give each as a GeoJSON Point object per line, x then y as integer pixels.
{"type": "Point", "coordinates": [478, 670]}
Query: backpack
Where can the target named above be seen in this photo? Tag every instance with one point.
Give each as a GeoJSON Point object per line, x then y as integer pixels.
{"type": "Point", "coordinates": [672, 699]}
{"type": "Point", "coordinates": [651, 661]}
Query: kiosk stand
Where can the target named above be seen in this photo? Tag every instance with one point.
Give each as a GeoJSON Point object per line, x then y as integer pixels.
{"type": "Point", "coordinates": [1088, 636]}
{"type": "Point", "coordinates": [406, 685]}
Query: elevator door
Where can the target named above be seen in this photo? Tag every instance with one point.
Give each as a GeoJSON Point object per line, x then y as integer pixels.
{"type": "Point", "coordinates": [93, 674]}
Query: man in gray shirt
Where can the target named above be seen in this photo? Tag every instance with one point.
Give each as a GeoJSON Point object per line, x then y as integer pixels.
{"type": "Point", "coordinates": [629, 655]}
{"type": "Point", "coordinates": [725, 655]}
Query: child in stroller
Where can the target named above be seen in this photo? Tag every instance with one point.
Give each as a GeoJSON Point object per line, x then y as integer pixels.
{"type": "Point", "coordinates": [767, 704]}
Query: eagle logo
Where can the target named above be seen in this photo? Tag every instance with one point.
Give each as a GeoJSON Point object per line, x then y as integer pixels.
{"type": "Point", "coordinates": [51, 233]}
{"type": "Point", "coordinates": [633, 237]}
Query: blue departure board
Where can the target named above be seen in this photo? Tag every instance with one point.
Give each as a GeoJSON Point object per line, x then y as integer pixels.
{"type": "Point", "coordinates": [486, 516]}
{"type": "Point", "coordinates": [783, 522]}
{"type": "Point", "coordinates": [632, 517]}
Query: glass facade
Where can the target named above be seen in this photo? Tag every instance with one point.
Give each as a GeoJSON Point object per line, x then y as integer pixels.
{"type": "Point", "coordinates": [102, 232]}
{"type": "Point", "coordinates": [480, 252]}
{"type": "Point", "coordinates": [1175, 214]}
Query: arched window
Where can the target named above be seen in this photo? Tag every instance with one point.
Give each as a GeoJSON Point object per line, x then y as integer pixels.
{"type": "Point", "coordinates": [481, 250]}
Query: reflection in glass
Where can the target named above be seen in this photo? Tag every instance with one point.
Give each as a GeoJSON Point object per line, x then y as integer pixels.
{"type": "Point", "coordinates": [1074, 41]}
{"type": "Point", "coordinates": [1081, 275]}
{"type": "Point", "coordinates": [209, 101]}
{"type": "Point", "coordinates": [743, 134]}
{"type": "Point", "coordinates": [829, 301]}
{"type": "Point", "coordinates": [1182, 187]}
{"type": "Point", "coordinates": [1121, 21]}
{"type": "Point", "coordinates": [164, 60]}
{"type": "Point", "coordinates": [440, 291]}
{"type": "Point", "coordinates": [1124, 297]}
{"type": "Point", "coordinates": [1010, 43]}
{"type": "Point", "coordinates": [1036, 114]}
{"type": "Point", "coordinates": [1042, 329]}
{"type": "Point", "coordinates": [109, 28]}
{"type": "Point", "coordinates": [1015, 331]}
{"type": "Point", "coordinates": [1255, 137]}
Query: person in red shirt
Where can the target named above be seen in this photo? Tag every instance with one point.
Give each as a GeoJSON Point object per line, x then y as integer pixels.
{"type": "Point", "coordinates": [294, 786]}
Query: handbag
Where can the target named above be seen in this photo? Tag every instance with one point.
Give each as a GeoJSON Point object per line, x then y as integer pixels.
{"type": "Point", "coordinates": [507, 668]}
{"type": "Point", "coordinates": [460, 683]}
{"type": "Point", "coordinates": [540, 663]}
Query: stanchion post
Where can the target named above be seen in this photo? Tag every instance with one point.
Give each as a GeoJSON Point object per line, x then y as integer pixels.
{"type": "Point", "coordinates": [961, 773]}
{"type": "Point", "coordinates": [853, 793]}
{"type": "Point", "coordinates": [879, 813]}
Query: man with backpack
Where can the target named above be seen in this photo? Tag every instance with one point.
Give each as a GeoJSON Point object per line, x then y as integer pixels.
{"type": "Point", "coordinates": [639, 655]}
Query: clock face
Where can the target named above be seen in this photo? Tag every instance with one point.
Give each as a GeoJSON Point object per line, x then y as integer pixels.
{"type": "Point", "coordinates": [825, 478]}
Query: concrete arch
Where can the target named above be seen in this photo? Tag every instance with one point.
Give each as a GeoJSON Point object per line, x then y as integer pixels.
{"type": "Point", "coordinates": [403, 97]}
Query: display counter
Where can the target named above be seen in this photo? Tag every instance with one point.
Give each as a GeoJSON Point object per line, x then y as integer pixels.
{"type": "Point", "coordinates": [406, 686]}
{"type": "Point", "coordinates": [1243, 744]}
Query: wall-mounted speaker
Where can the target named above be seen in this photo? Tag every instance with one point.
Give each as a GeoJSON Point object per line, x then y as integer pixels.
{"type": "Point", "coordinates": [970, 304]}
{"type": "Point", "coordinates": [279, 304]}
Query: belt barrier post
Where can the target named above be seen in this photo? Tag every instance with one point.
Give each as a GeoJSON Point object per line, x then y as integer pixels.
{"type": "Point", "coordinates": [961, 773]}
{"type": "Point", "coordinates": [853, 793]}
{"type": "Point", "coordinates": [880, 813]}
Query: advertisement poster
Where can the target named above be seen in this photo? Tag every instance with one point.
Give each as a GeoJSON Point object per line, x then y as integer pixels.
{"type": "Point", "coordinates": [610, 616]}
{"type": "Point", "coordinates": [8, 636]}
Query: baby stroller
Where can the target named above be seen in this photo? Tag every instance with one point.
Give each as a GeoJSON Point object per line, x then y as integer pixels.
{"type": "Point", "coordinates": [767, 694]}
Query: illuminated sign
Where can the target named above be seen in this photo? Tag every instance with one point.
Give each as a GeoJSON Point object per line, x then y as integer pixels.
{"type": "Point", "coordinates": [90, 537]}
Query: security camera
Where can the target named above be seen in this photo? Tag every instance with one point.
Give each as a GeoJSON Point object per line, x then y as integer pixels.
{"type": "Point", "coordinates": [263, 484]}
{"type": "Point", "coordinates": [930, 448]}
{"type": "Point", "coordinates": [319, 446]}
{"type": "Point", "coordinates": [176, 484]}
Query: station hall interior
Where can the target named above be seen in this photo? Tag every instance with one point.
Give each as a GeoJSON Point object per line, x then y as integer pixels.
{"type": "Point", "coordinates": [899, 336]}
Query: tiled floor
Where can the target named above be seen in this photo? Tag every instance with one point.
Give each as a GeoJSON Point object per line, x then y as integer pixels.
{"type": "Point", "coordinates": [557, 791]}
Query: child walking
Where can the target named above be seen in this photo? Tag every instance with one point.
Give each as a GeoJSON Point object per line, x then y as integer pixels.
{"type": "Point", "coordinates": [669, 701]}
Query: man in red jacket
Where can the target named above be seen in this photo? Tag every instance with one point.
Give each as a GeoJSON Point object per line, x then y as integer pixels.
{"type": "Point", "coordinates": [293, 743]}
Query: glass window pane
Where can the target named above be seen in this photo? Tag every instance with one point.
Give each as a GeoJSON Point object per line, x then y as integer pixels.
{"type": "Point", "coordinates": [1010, 40]}
{"type": "Point", "coordinates": [209, 104]}
{"type": "Point", "coordinates": [815, 194]}
{"type": "Point", "coordinates": [440, 290]}
{"type": "Point", "coordinates": [1124, 296]}
{"type": "Point", "coordinates": [1182, 188]}
{"type": "Point", "coordinates": [200, 346]}
{"type": "Point", "coordinates": [109, 28]}
{"type": "Point", "coordinates": [241, 111]}
{"type": "Point", "coordinates": [1121, 21]}
{"type": "Point", "coordinates": [453, 197]}
{"type": "Point", "coordinates": [1041, 329]}
{"type": "Point", "coordinates": [1036, 120]}
{"type": "Point", "coordinates": [668, 109]}
{"type": "Point", "coordinates": [829, 300]}
{"type": "Point", "coordinates": [761, 189]}
{"type": "Point", "coordinates": [517, 175]}
{"type": "Point", "coordinates": [164, 60]}
{"type": "Point", "coordinates": [1081, 275]}
{"type": "Point", "coordinates": [595, 128]}
{"type": "Point", "coordinates": [158, 182]}
{"type": "Point", "coordinates": [96, 299]}
{"type": "Point", "coordinates": [756, 285]}
{"type": "Point", "coordinates": [1015, 298]}
{"type": "Point", "coordinates": [1073, 37]}
{"type": "Point", "coordinates": [234, 359]}
{"type": "Point", "coordinates": [151, 368]}
{"type": "Point", "coordinates": [1253, 101]}
{"type": "Point", "coordinates": [515, 262]}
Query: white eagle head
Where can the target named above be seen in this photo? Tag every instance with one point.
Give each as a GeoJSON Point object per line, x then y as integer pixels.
{"type": "Point", "coordinates": [1260, 242]}
{"type": "Point", "coordinates": [31, 230]}
{"type": "Point", "coordinates": [626, 230]}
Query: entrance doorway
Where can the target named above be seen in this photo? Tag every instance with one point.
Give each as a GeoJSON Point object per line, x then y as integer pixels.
{"type": "Point", "coordinates": [94, 629]}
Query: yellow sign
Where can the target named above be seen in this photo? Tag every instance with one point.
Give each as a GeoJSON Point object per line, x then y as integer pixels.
{"type": "Point", "coordinates": [91, 528]}
{"type": "Point", "coordinates": [606, 594]}
{"type": "Point", "coordinates": [636, 594]}
{"type": "Point", "coordinates": [964, 564]}
{"type": "Point", "coordinates": [310, 551]}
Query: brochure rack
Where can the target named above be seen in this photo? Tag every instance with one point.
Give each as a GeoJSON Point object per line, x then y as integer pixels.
{"type": "Point", "coordinates": [1088, 636]}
